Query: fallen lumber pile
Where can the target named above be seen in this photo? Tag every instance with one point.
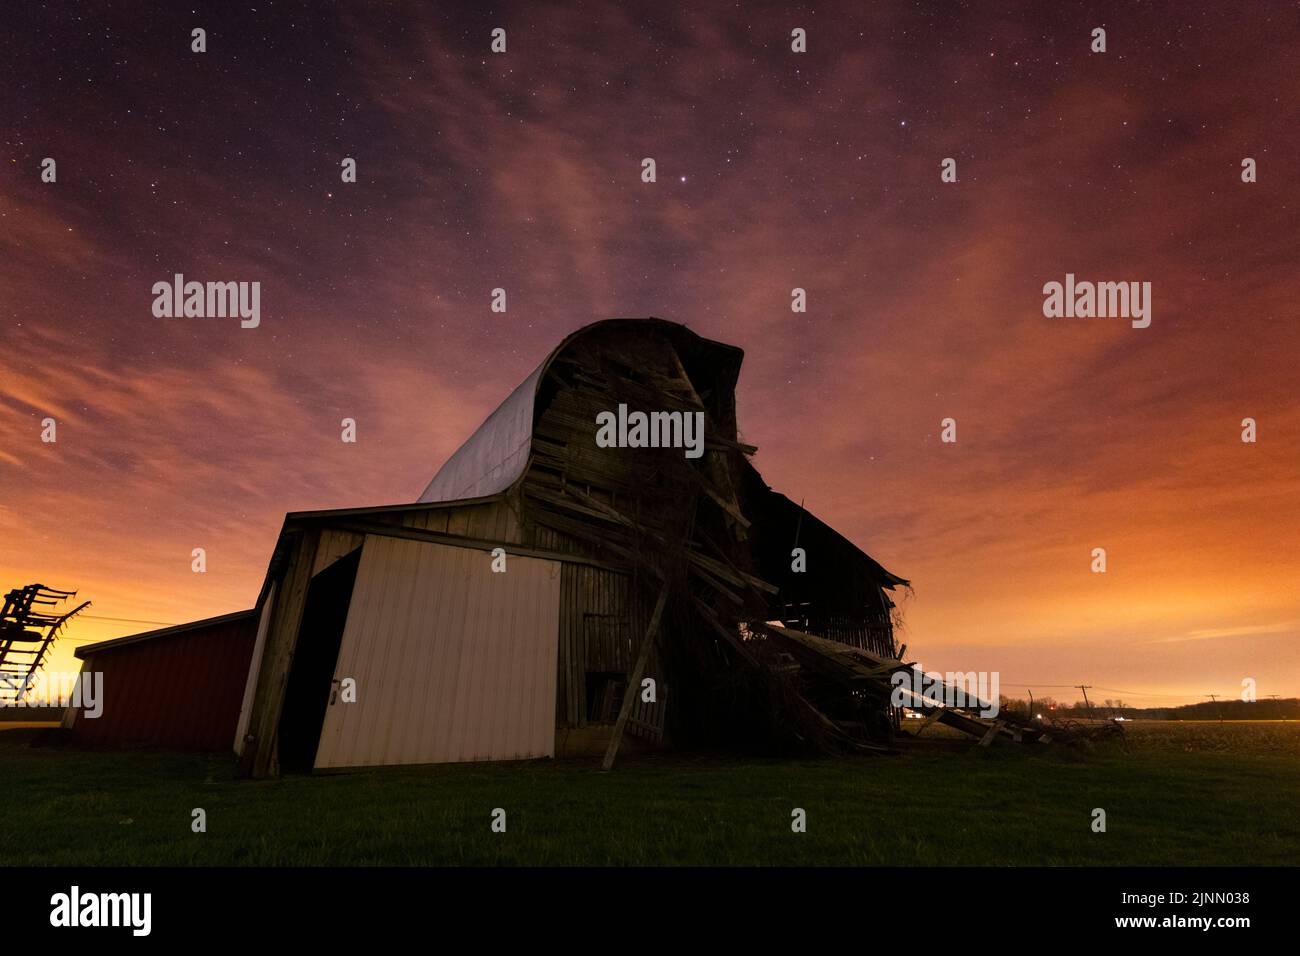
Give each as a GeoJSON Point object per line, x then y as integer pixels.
{"type": "Point", "coordinates": [838, 671]}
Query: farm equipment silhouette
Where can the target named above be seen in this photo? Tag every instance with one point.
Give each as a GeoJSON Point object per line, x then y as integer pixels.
{"type": "Point", "coordinates": [28, 626]}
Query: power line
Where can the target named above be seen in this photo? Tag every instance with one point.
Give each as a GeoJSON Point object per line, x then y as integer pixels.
{"type": "Point", "coordinates": [127, 620]}
{"type": "Point", "coordinates": [1112, 690]}
{"type": "Point", "coordinates": [66, 639]}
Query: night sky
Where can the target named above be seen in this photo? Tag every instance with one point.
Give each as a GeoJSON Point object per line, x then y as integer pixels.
{"type": "Point", "coordinates": [775, 170]}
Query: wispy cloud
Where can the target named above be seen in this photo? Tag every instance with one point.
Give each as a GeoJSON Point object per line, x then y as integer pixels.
{"type": "Point", "coordinates": [775, 171]}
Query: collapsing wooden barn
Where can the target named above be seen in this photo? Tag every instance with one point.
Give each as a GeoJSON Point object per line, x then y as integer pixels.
{"type": "Point", "coordinates": [548, 594]}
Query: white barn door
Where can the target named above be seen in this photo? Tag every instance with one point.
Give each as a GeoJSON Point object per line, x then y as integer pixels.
{"type": "Point", "coordinates": [452, 661]}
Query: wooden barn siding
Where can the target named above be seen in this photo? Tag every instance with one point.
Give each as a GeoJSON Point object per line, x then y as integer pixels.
{"type": "Point", "coordinates": [647, 718]}
{"type": "Point", "coordinates": [875, 634]}
{"type": "Point", "coordinates": [585, 592]}
{"type": "Point", "coordinates": [550, 539]}
{"type": "Point", "coordinates": [259, 757]}
{"type": "Point", "coordinates": [599, 633]}
{"type": "Point", "coordinates": [334, 545]}
{"type": "Point", "coordinates": [263, 618]}
{"type": "Point", "coordinates": [181, 691]}
{"type": "Point", "coordinates": [452, 661]}
{"type": "Point", "coordinates": [491, 521]}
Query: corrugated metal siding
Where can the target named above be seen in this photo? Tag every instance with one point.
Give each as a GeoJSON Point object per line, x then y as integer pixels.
{"type": "Point", "coordinates": [452, 661]}
{"type": "Point", "coordinates": [182, 691]}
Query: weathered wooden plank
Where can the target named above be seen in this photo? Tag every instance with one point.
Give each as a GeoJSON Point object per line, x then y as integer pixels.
{"type": "Point", "coordinates": [334, 545]}
{"type": "Point", "coordinates": [260, 757]}
{"type": "Point", "coordinates": [930, 718]}
{"type": "Point", "coordinates": [460, 541]}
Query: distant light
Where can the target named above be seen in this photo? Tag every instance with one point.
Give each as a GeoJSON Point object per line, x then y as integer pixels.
{"type": "Point", "coordinates": [1040, 716]}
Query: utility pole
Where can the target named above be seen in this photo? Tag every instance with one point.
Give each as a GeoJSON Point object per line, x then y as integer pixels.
{"type": "Point", "coordinates": [1031, 706]}
{"type": "Point", "coordinates": [1277, 708]}
{"type": "Point", "coordinates": [1084, 688]}
{"type": "Point", "coordinates": [1217, 708]}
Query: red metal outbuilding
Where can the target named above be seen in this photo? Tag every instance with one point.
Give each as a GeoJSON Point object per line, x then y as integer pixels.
{"type": "Point", "coordinates": [178, 687]}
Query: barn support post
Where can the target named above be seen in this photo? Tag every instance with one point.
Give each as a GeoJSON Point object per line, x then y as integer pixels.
{"type": "Point", "coordinates": [259, 758]}
{"type": "Point", "coordinates": [634, 678]}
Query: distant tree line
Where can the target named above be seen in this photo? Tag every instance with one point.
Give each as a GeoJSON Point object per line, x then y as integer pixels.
{"type": "Point", "coordinates": [1284, 708]}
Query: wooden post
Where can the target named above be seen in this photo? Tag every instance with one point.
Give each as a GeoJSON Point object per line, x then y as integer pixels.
{"type": "Point", "coordinates": [260, 757]}
{"type": "Point", "coordinates": [992, 732]}
{"type": "Point", "coordinates": [930, 718]}
{"type": "Point", "coordinates": [634, 678]}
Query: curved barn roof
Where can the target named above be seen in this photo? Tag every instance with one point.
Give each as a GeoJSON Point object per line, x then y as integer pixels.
{"type": "Point", "coordinates": [496, 455]}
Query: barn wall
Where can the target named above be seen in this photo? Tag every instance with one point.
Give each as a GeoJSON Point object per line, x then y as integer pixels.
{"type": "Point", "coordinates": [254, 667]}
{"type": "Point", "coordinates": [296, 553]}
{"type": "Point", "coordinates": [181, 691]}
{"type": "Point", "coordinates": [600, 633]}
{"type": "Point", "coordinates": [595, 635]}
{"type": "Point", "coordinates": [334, 545]}
{"type": "Point", "coordinates": [452, 662]}
{"type": "Point", "coordinates": [489, 521]}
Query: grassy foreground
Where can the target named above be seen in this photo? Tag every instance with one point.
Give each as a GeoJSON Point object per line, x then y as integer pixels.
{"type": "Point", "coordinates": [1179, 794]}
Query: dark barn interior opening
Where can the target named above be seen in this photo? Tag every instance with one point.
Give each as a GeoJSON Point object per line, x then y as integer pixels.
{"type": "Point", "coordinates": [311, 688]}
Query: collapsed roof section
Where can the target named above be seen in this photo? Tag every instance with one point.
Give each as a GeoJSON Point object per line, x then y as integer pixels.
{"type": "Point", "coordinates": [495, 458]}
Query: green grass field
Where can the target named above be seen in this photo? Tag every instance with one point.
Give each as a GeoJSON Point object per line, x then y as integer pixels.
{"type": "Point", "coordinates": [1193, 794]}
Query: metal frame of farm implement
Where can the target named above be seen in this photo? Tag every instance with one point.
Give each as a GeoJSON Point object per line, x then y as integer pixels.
{"type": "Point", "coordinates": [26, 633]}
